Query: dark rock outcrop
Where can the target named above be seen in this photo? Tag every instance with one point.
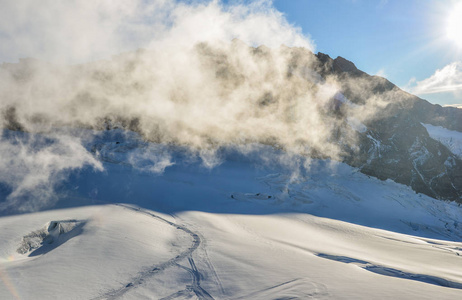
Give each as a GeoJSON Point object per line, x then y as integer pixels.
{"type": "Point", "coordinates": [396, 145]}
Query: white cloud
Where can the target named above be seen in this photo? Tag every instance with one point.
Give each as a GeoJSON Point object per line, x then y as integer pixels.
{"type": "Point", "coordinates": [172, 89]}
{"type": "Point", "coordinates": [447, 79]}
{"type": "Point", "coordinates": [454, 105]}
{"type": "Point", "coordinates": [152, 158]}
{"type": "Point", "coordinates": [381, 73]}
{"type": "Point", "coordinates": [192, 86]}
{"type": "Point", "coordinates": [69, 31]}
{"type": "Point", "coordinates": [81, 30]}
{"type": "Point", "coordinates": [33, 164]}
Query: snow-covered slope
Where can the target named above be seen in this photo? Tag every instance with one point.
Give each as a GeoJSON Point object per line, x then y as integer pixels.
{"type": "Point", "coordinates": [111, 244]}
{"type": "Point", "coordinates": [450, 138]}
{"type": "Point", "coordinates": [237, 231]}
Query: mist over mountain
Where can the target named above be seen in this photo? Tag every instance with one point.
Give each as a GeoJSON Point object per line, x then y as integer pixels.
{"type": "Point", "coordinates": [218, 95]}
{"type": "Point", "coordinates": [396, 145]}
{"type": "Point", "coordinates": [170, 149]}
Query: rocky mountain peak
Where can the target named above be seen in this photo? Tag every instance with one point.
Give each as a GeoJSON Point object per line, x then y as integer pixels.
{"type": "Point", "coordinates": [342, 65]}
{"type": "Point", "coordinates": [396, 145]}
{"type": "Point", "coordinates": [345, 65]}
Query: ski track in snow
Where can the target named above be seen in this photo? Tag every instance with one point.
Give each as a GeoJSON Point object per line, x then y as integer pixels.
{"type": "Point", "coordinates": [195, 274]}
{"type": "Point", "coordinates": [196, 286]}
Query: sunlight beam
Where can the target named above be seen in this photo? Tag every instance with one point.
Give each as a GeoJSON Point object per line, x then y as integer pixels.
{"type": "Point", "coordinates": [454, 27]}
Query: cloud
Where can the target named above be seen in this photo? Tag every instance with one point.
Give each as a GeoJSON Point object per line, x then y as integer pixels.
{"type": "Point", "coordinates": [79, 31]}
{"type": "Point", "coordinates": [76, 31]}
{"type": "Point", "coordinates": [209, 76]}
{"type": "Point", "coordinates": [33, 164]}
{"type": "Point", "coordinates": [453, 105]}
{"type": "Point", "coordinates": [381, 73]}
{"type": "Point", "coordinates": [153, 158]}
{"type": "Point", "coordinates": [447, 79]}
{"type": "Point", "coordinates": [190, 85]}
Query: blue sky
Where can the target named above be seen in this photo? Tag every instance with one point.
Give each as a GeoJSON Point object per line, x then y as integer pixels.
{"type": "Point", "coordinates": [402, 40]}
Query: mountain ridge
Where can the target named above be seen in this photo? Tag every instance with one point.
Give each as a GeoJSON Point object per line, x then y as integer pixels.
{"type": "Point", "coordinates": [393, 144]}
{"type": "Point", "coordinates": [398, 146]}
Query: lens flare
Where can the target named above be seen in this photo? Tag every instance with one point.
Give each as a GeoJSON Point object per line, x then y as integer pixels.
{"type": "Point", "coordinates": [454, 29]}
{"type": "Point", "coordinates": [5, 280]}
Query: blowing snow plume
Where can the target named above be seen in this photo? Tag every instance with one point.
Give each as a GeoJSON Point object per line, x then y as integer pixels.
{"type": "Point", "coordinates": [208, 76]}
{"type": "Point", "coordinates": [32, 165]}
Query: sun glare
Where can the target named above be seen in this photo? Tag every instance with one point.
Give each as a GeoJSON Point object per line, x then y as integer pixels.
{"type": "Point", "coordinates": [454, 29]}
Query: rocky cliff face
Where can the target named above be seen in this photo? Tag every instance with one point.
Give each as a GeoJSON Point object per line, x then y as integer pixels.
{"type": "Point", "coordinates": [396, 145]}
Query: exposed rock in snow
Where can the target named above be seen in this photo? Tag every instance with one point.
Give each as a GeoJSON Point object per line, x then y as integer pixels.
{"type": "Point", "coordinates": [53, 234]}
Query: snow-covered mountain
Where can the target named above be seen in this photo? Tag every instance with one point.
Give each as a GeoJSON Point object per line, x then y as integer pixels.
{"type": "Point", "coordinates": [239, 173]}
{"type": "Point", "coordinates": [235, 94]}
{"type": "Point", "coordinates": [394, 143]}
{"type": "Point", "coordinates": [237, 231]}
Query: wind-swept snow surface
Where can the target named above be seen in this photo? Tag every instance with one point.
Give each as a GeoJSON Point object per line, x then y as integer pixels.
{"type": "Point", "coordinates": [233, 232]}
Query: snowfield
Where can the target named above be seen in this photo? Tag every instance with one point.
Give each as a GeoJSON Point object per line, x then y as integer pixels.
{"type": "Point", "coordinates": [450, 138]}
{"type": "Point", "coordinates": [237, 231]}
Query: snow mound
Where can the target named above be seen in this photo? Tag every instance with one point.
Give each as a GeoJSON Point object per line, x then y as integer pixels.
{"type": "Point", "coordinates": [54, 232]}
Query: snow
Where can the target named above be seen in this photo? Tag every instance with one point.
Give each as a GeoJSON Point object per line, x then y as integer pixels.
{"type": "Point", "coordinates": [450, 138]}
{"type": "Point", "coordinates": [113, 246]}
{"type": "Point", "coordinates": [237, 231]}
